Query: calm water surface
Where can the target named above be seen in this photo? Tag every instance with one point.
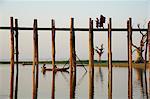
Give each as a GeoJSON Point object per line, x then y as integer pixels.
{"type": "Point", "coordinates": [62, 83]}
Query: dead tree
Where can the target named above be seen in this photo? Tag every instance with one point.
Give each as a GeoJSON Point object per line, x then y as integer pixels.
{"type": "Point", "coordinates": [139, 50]}
{"type": "Point", "coordinates": [99, 51]}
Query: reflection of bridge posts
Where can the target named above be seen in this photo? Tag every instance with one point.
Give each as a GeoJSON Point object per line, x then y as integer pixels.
{"type": "Point", "coordinates": [91, 60]}
{"type": "Point", "coordinates": [53, 85]}
{"type": "Point", "coordinates": [35, 60]}
{"type": "Point", "coordinates": [11, 58]}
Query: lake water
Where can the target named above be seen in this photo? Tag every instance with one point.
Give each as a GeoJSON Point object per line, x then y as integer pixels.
{"type": "Point", "coordinates": [62, 83]}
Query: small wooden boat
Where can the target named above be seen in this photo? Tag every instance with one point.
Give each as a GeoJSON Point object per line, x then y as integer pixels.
{"type": "Point", "coordinates": [63, 69]}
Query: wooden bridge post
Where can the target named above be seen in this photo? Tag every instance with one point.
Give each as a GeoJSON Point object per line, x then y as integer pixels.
{"type": "Point", "coordinates": [148, 35]}
{"type": "Point", "coordinates": [35, 59]}
{"type": "Point", "coordinates": [53, 44]}
{"type": "Point", "coordinates": [109, 61]}
{"type": "Point", "coordinates": [72, 45]}
{"type": "Point", "coordinates": [91, 60]}
{"type": "Point", "coordinates": [72, 59]}
{"type": "Point", "coordinates": [145, 66]}
{"type": "Point", "coordinates": [11, 57]}
{"type": "Point", "coordinates": [17, 53]}
{"type": "Point", "coordinates": [53, 58]}
{"type": "Point", "coordinates": [129, 27]}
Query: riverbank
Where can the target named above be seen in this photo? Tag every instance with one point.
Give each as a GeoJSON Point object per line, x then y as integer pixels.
{"type": "Point", "coordinates": [85, 63]}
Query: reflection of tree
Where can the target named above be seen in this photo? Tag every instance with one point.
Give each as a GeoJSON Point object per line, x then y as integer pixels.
{"type": "Point", "coordinates": [139, 78]}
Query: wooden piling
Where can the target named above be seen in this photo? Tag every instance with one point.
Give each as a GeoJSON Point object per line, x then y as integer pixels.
{"type": "Point", "coordinates": [71, 45]}
{"type": "Point", "coordinates": [11, 57]}
{"type": "Point", "coordinates": [129, 27]}
{"type": "Point", "coordinates": [72, 59]}
{"type": "Point", "coordinates": [145, 67]}
{"type": "Point", "coordinates": [53, 44]}
{"type": "Point", "coordinates": [17, 53]}
{"type": "Point", "coordinates": [148, 36]}
{"type": "Point", "coordinates": [53, 59]}
{"type": "Point", "coordinates": [35, 59]}
{"type": "Point", "coordinates": [109, 61]}
{"type": "Point", "coordinates": [91, 60]}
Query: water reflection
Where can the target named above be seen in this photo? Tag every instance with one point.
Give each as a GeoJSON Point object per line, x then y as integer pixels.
{"type": "Point", "coordinates": [83, 87]}
{"type": "Point", "coordinates": [72, 84]}
{"type": "Point", "coordinates": [16, 84]}
{"type": "Point", "coordinates": [53, 85]}
{"type": "Point", "coordinates": [140, 79]}
{"type": "Point", "coordinates": [91, 83]}
{"type": "Point", "coordinates": [35, 83]}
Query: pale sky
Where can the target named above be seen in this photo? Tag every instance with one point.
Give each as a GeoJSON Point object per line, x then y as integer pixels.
{"type": "Point", "coordinates": [62, 11]}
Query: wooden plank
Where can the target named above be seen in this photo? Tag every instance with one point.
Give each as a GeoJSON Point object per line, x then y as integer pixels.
{"type": "Point", "coordinates": [11, 58]}
{"type": "Point", "coordinates": [109, 61]}
{"type": "Point", "coordinates": [129, 25]}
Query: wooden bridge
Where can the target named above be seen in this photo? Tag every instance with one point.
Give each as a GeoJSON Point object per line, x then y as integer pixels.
{"type": "Point", "coordinates": [14, 38]}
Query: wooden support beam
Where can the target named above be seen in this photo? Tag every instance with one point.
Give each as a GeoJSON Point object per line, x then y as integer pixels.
{"type": "Point", "coordinates": [53, 44]}
{"type": "Point", "coordinates": [109, 61]}
{"type": "Point", "coordinates": [53, 58]}
{"type": "Point", "coordinates": [17, 58]}
{"type": "Point", "coordinates": [91, 60]}
{"type": "Point", "coordinates": [129, 27]}
{"type": "Point", "coordinates": [145, 67]}
{"type": "Point", "coordinates": [35, 59]}
{"type": "Point", "coordinates": [72, 60]}
{"type": "Point", "coordinates": [11, 58]}
{"type": "Point", "coordinates": [71, 45]}
{"type": "Point", "coordinates": [148, 35]}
